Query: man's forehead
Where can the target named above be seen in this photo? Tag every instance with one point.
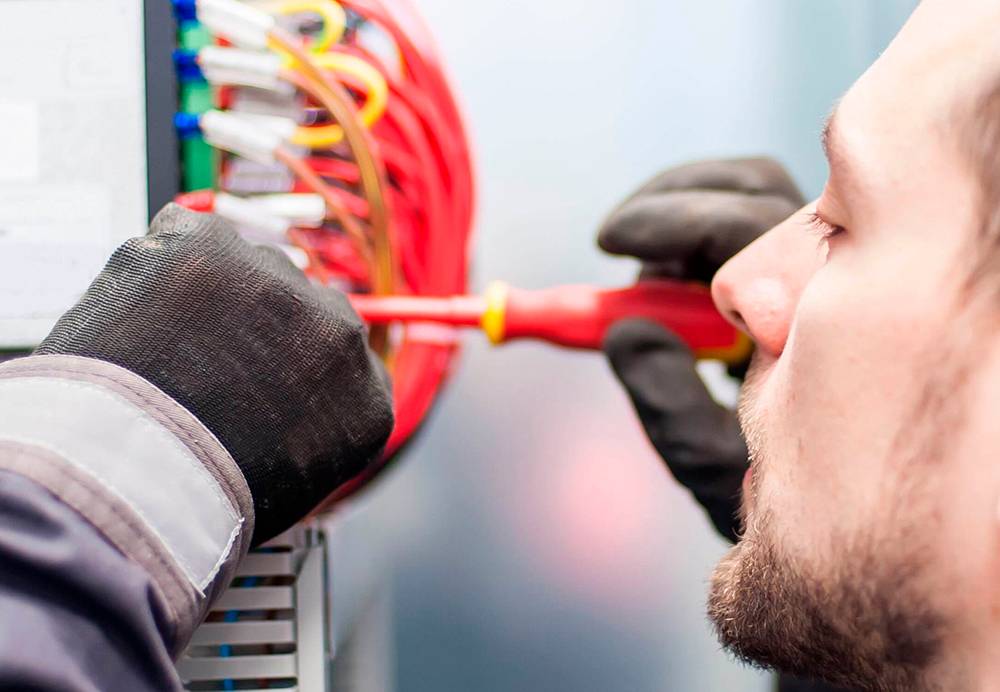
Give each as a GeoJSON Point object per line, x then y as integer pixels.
{"type": "Point", "coordinates": [891, 120]}
{"type": "Point", "coordinates": [944, 48]}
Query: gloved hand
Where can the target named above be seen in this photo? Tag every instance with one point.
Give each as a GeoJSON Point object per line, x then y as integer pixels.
{"type": "Point", "coordinates": [684, 224]}
{"type": "Point", "coordinates": [278, 369]}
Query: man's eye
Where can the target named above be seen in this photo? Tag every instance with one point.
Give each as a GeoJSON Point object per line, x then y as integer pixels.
{"type": "Point", "coordinates": [823, 228]}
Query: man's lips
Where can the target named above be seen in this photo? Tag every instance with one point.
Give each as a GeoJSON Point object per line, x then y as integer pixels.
{"type": "Point", "coordinates": [746, 482]}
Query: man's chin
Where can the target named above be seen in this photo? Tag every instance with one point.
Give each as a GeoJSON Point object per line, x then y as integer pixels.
{"type": "Point", "coordinates": [851, 625]}
{"type": "Point", "coordinates": [752, 611]}
{"type": "Point", "coordinates": [736, 602]}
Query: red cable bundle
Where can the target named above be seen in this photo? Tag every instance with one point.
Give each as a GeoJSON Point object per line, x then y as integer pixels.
{"type": "Point", "coordinates": [422, 140]}
{"type": "Point", "coordinates": [419, 147]}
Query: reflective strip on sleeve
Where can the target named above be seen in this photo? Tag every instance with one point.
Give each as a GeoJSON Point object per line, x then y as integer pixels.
{"type": "Point", "coordinates": [129, 453]}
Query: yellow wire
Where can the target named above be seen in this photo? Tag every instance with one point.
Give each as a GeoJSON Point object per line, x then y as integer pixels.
{"type": "Point", "coordinates": [333, 15]}
{"type": "Point", "coordinates": [377, 90]}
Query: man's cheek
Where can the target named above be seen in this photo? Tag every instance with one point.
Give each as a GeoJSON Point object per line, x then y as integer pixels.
{"type": "Point", "coordinates": [826, 375]}
{"type": "Point", "coordinates": [780, 489]}
{"type": "Point", "coordinates": [848, 371]}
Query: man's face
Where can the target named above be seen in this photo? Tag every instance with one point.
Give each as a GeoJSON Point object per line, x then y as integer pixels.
{"type": "Point", "coordinates": [870, 554]}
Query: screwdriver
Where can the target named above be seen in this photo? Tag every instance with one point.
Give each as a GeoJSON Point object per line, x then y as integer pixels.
{"type": "Point", "coordinates": [574, 316]}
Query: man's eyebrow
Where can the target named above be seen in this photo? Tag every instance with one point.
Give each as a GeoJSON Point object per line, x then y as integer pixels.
{"type": "Point", "coordinates": [841, 169]}
{"type": "Point", "coordinates": [828, 138]}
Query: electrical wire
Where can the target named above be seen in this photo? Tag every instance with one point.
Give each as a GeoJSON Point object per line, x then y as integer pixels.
{"type": "Point", "coordinates": [311, 78]}
{"type": "Point", "coordinates": [347, 222]}
{"type": "Point", "coordinates": [389, 155]}
{"type": "Point", "coordinates": [333, 16]}
{"type": "Point", "coordinates": [376, 95]}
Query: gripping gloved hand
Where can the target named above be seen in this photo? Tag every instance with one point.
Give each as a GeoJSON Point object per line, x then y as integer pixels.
{"type": "Point", "coordinates": [685, 224]}
{"type": "Point", "coordinates": [278, 369]}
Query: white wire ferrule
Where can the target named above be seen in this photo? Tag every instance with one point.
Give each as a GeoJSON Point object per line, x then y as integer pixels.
{"type": "Point", "coordinates": [278, 124]}
{"type": "Point", "coordinates": [242, 137]}
{"type": "Point", "coordinates": [238, 22]}
{"type": "Point", "coordinates": [245, 212]}
{"type": "Point", "coordinates": [238, 67]}
{"type": "Point", "coordinates": [304, 210]}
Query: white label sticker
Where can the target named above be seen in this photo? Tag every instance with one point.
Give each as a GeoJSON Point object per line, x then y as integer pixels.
{"type": "Point", "coordinates": [19, 159]}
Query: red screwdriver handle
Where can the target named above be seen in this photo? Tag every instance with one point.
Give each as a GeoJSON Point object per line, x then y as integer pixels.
{"type": "Point", "coordinates": [579, 316]}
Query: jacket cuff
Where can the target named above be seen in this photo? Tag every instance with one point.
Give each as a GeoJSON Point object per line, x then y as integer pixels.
{"type": "Point", "coordinates": [138, 466]}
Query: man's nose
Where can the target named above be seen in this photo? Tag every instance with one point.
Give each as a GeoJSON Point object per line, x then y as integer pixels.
{"type": "Point", "coordinates": [758, 289]}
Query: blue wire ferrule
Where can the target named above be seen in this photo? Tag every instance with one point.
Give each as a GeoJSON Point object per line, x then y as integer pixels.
{"type": "Point", "coordinates": [186, 64]}
{"type": "Point", "coordinates": [185, 10]}
{"type": "Point", "coordinates": [188, 125]}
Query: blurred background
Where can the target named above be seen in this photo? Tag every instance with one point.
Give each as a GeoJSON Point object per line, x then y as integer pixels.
{"type": "Point", "coordinates": [533, 539]}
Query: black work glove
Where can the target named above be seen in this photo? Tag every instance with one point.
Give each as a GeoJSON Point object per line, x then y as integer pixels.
{"type": "Point", "coordinates": [684, 224]}
{"type": "Point", "coordinates": [278, 369]}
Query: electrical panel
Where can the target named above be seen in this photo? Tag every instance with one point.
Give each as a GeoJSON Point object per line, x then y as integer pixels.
{"type": "Point", "coordinates": [81, 163]}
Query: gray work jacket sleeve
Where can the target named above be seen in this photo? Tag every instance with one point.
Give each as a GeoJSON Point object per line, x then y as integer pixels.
{"type": "Point", "coordinates": [121, 519]}
{"type": "Point", "coordinates": [75, 613]}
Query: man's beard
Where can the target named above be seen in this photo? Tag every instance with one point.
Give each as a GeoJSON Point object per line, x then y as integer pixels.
{"type": "Point", "coordinates": [865, 624]}
{"type": "Point", "coordinates": [867, 619]}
